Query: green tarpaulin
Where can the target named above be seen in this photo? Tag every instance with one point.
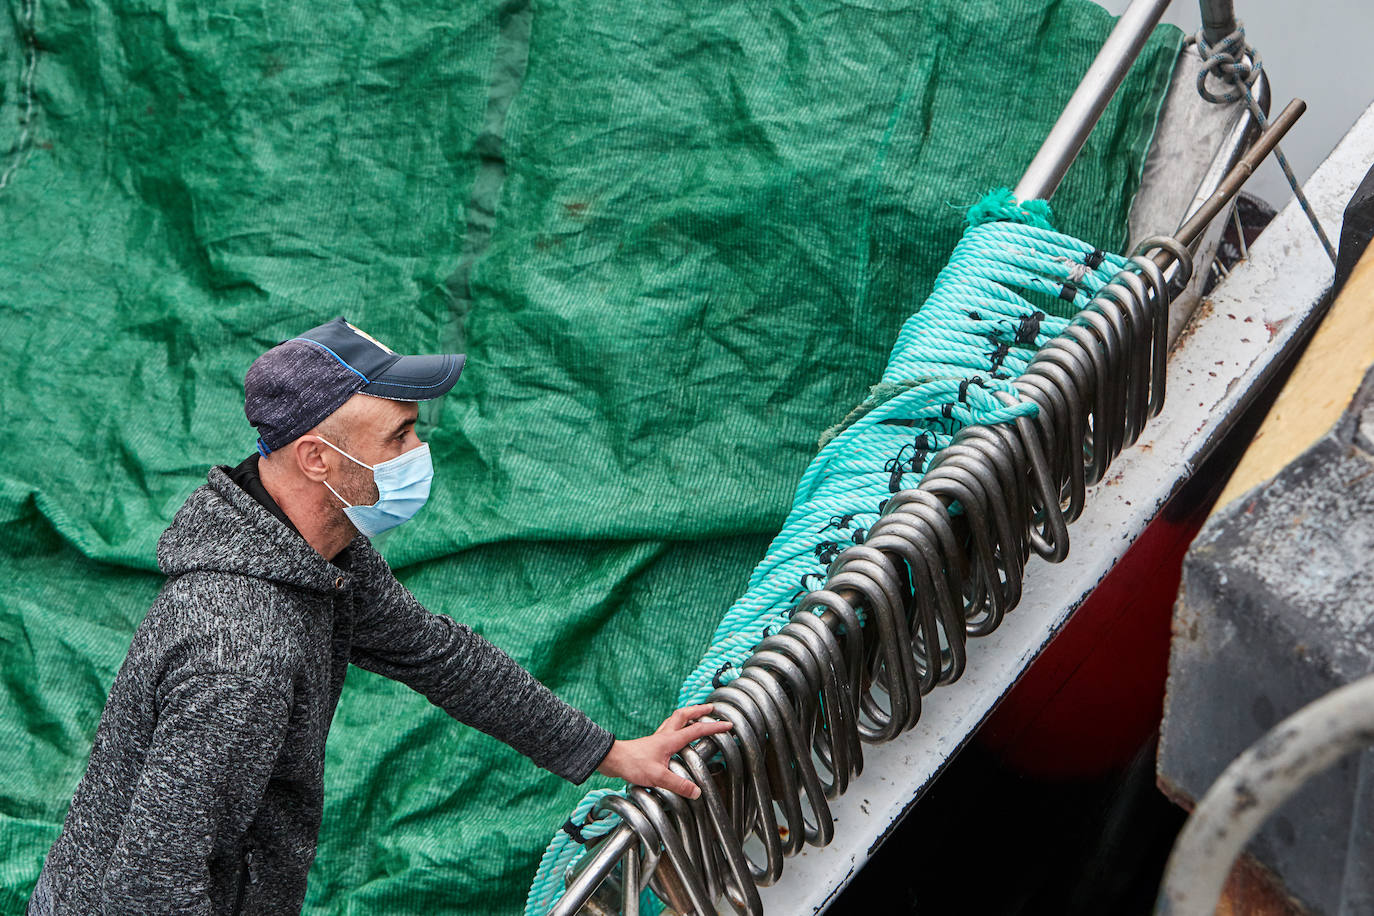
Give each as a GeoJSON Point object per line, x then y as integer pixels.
{"type": "Point", "coordinates": [675, 239]}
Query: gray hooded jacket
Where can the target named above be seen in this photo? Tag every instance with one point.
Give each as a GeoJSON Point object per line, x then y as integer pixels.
{"type": "Point", "coordinates": [203, 793]}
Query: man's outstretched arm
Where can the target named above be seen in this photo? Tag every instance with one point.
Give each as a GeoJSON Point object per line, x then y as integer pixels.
{"type": "Point", "coordinates": [480, 685]}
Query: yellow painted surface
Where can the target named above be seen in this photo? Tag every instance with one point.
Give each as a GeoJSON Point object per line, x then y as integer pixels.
{"type": "Point", "coordinates": [1320, 388]}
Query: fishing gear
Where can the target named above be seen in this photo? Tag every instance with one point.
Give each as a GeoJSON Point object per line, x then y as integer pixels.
{"type": "Point", "coordinates": [1036, 360]}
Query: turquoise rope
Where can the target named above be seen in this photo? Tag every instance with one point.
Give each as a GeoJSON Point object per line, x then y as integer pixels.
{"type": "Point", "coordinates": [564, 852]}
{"type": "Point", "coordinates": [1011, 284]}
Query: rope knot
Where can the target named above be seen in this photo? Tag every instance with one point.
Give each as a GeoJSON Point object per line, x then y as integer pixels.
{"type": "Point", "coordinates": [963, 387]}
{"type": "Point", "coordinates": [826, 551]}
{"type": "Point", "coordinates": [1029, 328]}
{"type": "Point", "coordinates": [1231, 61]}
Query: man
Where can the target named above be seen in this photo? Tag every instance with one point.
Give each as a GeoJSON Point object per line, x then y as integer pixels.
{"type": "Point", "coordinates": [204, 789]}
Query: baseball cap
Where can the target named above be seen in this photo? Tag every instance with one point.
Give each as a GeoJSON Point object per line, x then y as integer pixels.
{"type": "Point", "coordinates": [295, 385]}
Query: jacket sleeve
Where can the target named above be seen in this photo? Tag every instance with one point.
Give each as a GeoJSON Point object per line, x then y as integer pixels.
{"type": "Point", "coordinates": [472, 680]}
{"type": "Point", "coordinates": [214, 746]}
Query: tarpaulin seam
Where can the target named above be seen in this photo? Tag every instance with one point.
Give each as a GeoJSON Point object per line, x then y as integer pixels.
{"type": "Point", "coordinates": [508, 67]}
{"type": "Point", "coordinates": [880, 162]}
{"type": "Point", "coordinates": [21, 146]}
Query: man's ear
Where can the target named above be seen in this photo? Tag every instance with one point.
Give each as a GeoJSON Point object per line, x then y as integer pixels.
{"type": "Point", "coordinates": [309, 454]}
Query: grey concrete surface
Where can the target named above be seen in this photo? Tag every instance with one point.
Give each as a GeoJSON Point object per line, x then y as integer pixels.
{"type": "Point", "coordinates": [1276, 610]}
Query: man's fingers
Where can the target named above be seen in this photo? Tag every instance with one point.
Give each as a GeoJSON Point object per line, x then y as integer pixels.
{"type": "Point", "coordinates": [685, 736]}
{"type": "Point", "coordinates": [681, 717]}
{"type": "Point", "coordinates": [677, 784]}
{"type": "Point", "coordinates": [689, 713]}
{"type": "Point", "coordinates": [702, 729]}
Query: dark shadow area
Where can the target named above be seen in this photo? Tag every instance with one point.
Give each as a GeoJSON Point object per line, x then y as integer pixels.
{"type": "Point", "coordinates": [989, 840]}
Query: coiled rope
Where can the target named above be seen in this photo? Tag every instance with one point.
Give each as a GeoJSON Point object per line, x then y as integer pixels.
{"type": "Point", "coordinates": [1011, 284]}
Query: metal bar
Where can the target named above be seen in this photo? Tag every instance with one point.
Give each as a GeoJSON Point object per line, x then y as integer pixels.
{"type": "Point", "coordinates": [1235, 179]}
{"type": "Point", "coordinates": [973, 476]}
{"type": "Point", "coordinates": [855, 576]}
{"type": "Point", "coordinates": [1238, 140]}
{"type": "Point", "coordinates": [976, 477]}
{"type": "Point", "coordinates": [598, 866]}
{"type": "Point", "coordinates": [1218, 19]}
{"type": "Point", "coordinates": [1089, 100]}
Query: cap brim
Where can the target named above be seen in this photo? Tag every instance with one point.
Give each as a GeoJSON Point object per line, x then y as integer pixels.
{"type": "Point", "coordinates": [417, 378]}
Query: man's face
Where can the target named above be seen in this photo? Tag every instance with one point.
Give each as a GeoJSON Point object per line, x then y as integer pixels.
{"type": "Point", "coordinates": [382, 429]}
{"type": "Point", "coordinates": [374, 430]}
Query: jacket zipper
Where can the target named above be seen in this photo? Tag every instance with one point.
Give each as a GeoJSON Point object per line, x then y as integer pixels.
{"type": "Point", "coordinates": [243, 883]}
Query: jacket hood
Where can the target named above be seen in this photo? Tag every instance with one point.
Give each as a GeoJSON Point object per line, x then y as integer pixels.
{"type": "Point", "coordinates": [223, 529]}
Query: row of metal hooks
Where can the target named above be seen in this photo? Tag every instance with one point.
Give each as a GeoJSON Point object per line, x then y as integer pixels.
{"type": "Point", "coordinates": [943, 563]}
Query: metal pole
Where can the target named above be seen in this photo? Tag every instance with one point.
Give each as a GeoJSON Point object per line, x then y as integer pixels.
{"type": "Point", "coordinates": [598, 866]}
{"type": "Point", "coordinates": [1235, 179]}
{"type": "Point", "coordinates": [1218, 19]}
{"type": "Point", "coordinates": [1089, 100]}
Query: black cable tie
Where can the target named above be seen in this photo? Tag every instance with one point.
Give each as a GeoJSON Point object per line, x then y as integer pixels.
{"type": "Point", "coordinates": [963, 390]}
{"type": "Point", "coordinates": [715, 678]}
{"type": "Point", "coordinates": [997, 355]}
{"type": "Point", "coordinates": [974, 315]}
{"type": "Point", "coordinates": [1094, 258]}
{"type": "Point", "coordinates": [574, 831]}
{"type": "Point", "coordinates": [1029, 328]}
{"type": "Point", "coordinates": [1068, 291]}
{"type": "Point", "coordinates": [947, 410]}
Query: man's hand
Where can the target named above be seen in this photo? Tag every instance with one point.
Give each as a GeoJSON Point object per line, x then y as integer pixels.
{"type": "Point", "coordinates": [644, 761]}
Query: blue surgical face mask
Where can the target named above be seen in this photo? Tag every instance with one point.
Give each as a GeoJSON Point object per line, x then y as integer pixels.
{"type": "Point", "coordinates": [402, 488]}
